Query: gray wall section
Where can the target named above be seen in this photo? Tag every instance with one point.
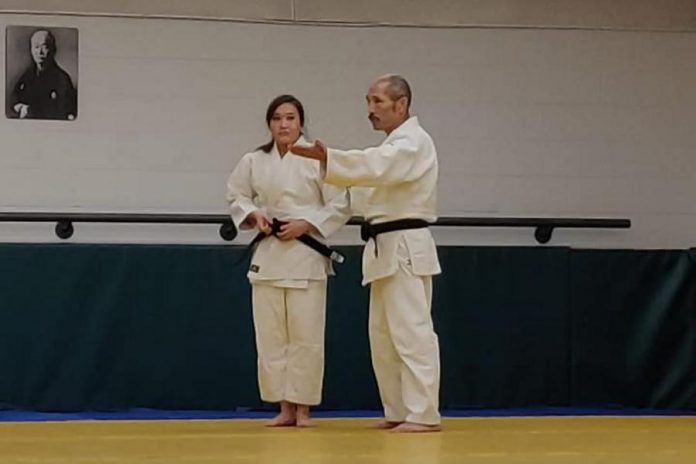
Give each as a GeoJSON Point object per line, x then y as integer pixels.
{"type": "Point", "coordinates": [639, 14]}
{"type": "Point", "coordinates": [631, 14]}
{"type": "Point", "coordinates": [248, 9]}
{"type": "Point", "coordinates": [527, 122]}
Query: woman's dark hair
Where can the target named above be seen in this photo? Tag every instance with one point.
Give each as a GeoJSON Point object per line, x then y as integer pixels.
{"type": "Point", "coordinates": [272, 107]}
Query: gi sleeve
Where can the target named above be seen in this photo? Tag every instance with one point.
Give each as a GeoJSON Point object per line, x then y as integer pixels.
{"type": "Point", "coordinates": [394, 162]}
{"type": "Point", "coordinates": [240, 194]}
{"type": "Point", "coordinates": [335, 212]}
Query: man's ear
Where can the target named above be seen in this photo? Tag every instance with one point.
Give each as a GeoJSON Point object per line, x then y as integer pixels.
{"type": "Point", "coordinates": [402, 104]}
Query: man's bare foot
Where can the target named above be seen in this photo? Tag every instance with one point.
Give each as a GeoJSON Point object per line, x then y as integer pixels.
{"type": "Point", "coordinates": [410, 427]}
{"type": "Point", "coordinates": [387, 425]}
{"type": "Point", "coordinates": [287, 416]}
{"type": "Point", "coordinates": [281, 420]}
{"type": "Point", "coordinates": [303, 419]}
{"type": "Point", "coordinates": [304, 422]}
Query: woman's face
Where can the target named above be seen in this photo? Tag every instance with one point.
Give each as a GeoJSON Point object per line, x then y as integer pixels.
{"type": "Point", "coordinates": [285, 124]}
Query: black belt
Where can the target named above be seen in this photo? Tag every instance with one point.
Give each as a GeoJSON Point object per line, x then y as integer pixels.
{"type": "Point", "coordinates": [307, 239]}
{"type": "Point", "coordinates": [371, 231]}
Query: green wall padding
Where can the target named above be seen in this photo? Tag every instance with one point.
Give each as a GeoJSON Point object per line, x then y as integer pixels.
{"type": "Point", "coordinates": [109, 327]}
{"type": "Point", "coordinates": [634, 328]}
{"type": "Point", "coordinates": [502, 317]}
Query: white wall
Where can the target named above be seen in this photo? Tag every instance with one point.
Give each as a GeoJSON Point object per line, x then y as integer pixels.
{"type": "Point", "coordinates": [527, 122]}
{"type": "Point", "coordinates": [677, 15]}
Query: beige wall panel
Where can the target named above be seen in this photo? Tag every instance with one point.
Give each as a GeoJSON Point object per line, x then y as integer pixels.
{"type": "Point", "coordinates": [638, 14]}
{"type": "Point", "coordinates": [244, 9]}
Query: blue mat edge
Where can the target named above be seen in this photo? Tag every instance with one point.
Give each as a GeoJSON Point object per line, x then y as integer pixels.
{"type": "Point", "coordinates": [11, 415]}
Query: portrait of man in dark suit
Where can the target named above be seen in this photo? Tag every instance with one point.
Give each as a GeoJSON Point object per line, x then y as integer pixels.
{"type": "Point", "coordinates": [39, 87]}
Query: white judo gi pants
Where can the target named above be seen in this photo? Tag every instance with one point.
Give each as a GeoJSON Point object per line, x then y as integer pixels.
{"type": "Point", "coordinates": [404, 347]}
{"type": "Point", "coordinates": [289, 326]}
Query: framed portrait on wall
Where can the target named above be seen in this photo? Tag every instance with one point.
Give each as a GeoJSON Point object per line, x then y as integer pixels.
{"type": "Point", "coordinates": [41, 70]}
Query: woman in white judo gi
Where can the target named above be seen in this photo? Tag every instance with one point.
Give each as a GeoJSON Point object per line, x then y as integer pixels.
{"type": "Point", "coordinates": [288, 278]}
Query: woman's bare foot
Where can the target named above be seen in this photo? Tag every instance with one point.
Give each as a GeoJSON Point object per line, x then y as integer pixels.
{"type": "Point", "coordinates": [303, 419]}
{"type": "Point", "coordinates": [410, 427]}
{"type": "Point", "coordinates": [387, 424]}
{"type": "Point", "coordinates": [287, 416]}
{"type": "Point", "coordinates": [281, 421]}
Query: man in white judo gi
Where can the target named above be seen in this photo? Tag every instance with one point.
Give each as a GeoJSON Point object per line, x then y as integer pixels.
{"type": "Point", "coordinates": [400, 256]}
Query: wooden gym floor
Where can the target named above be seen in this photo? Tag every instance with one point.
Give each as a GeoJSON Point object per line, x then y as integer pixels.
{"type": "Point", "coordinates": [538, 440]}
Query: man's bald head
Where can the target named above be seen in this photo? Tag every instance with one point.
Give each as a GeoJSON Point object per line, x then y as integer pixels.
{"type": "Point", "coordinates": [396, 87]}
{"type": "Point", "coordinates": [388, 102]}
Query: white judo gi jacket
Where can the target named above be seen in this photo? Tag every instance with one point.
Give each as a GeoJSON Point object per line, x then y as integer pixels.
{"type": "Point", "coordinates": [402, 172]}
{"type": "Point", "coordinates": [286, 188]}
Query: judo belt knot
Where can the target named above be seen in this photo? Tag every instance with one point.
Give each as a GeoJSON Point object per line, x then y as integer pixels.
{"type": "Point", "coordinates": [308, 240]}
